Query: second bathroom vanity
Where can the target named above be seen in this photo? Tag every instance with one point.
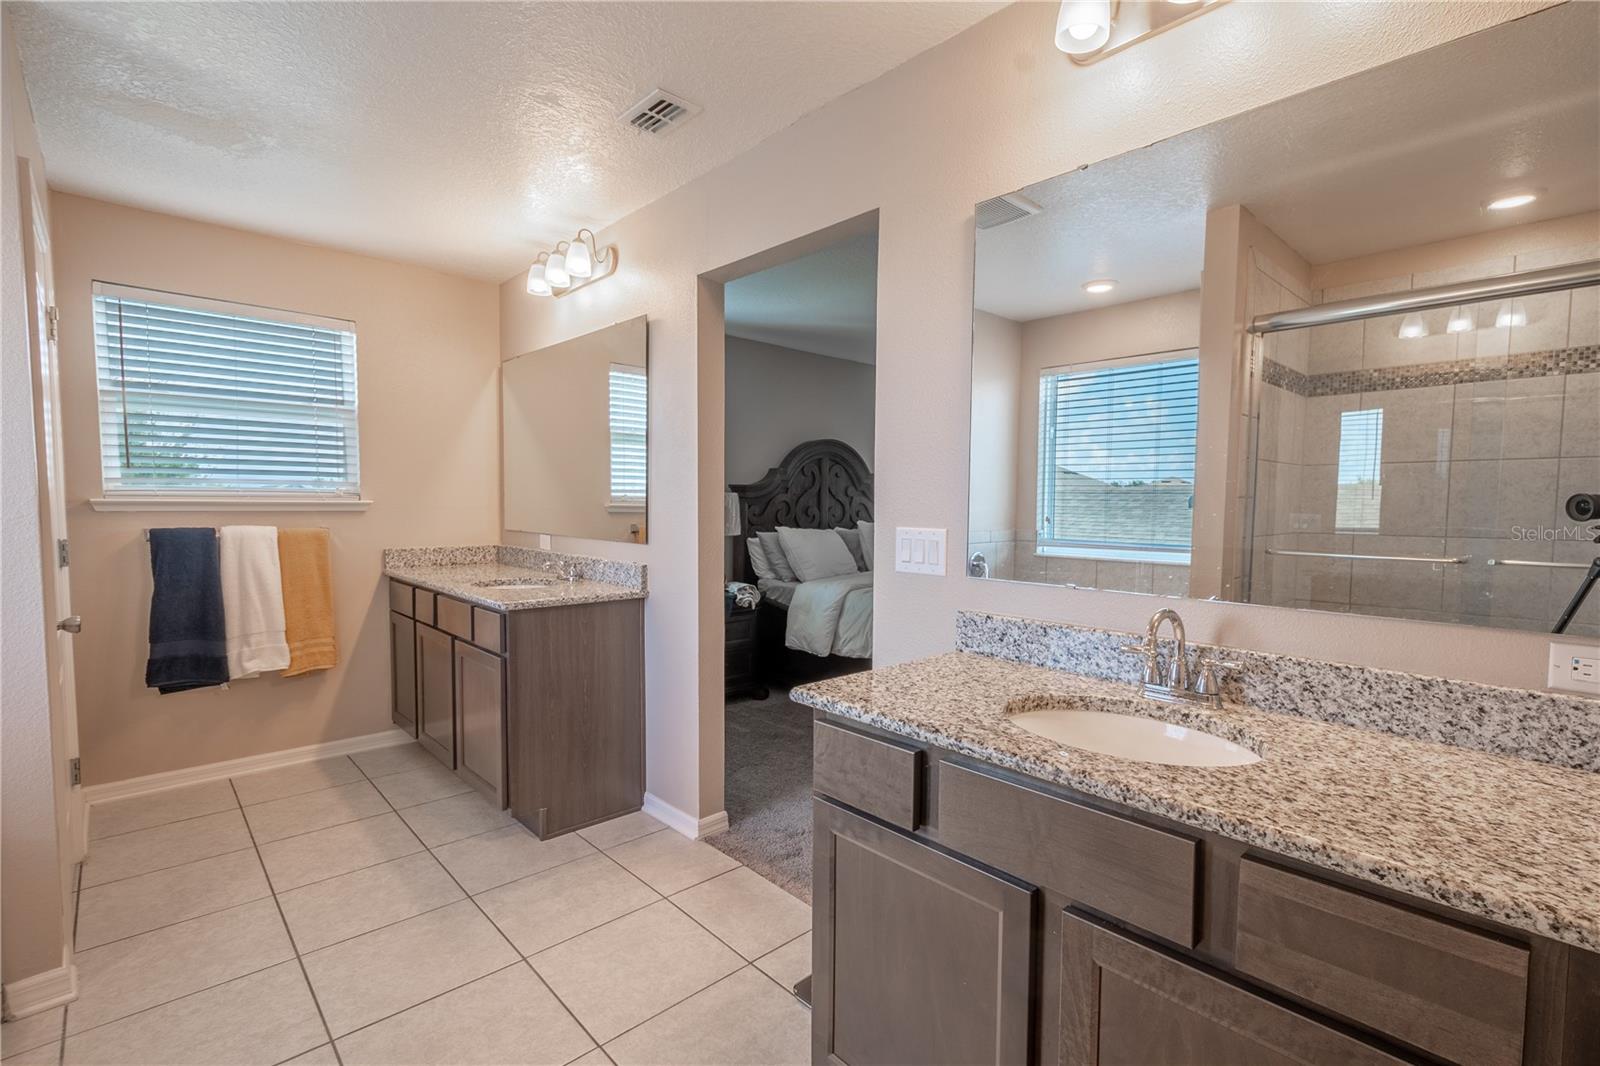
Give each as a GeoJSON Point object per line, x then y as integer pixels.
{"type": "Point", "coordinates": [523, 671]}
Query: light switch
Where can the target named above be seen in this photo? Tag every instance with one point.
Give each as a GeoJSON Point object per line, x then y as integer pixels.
{"type": "Point", "coordinates": [919, 551]}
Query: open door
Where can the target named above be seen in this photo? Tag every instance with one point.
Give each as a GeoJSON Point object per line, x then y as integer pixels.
{"type": "Point", "coordinates": [71, 815]}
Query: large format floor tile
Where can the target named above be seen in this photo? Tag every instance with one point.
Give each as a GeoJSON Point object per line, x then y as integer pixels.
{"type": "Point", "coordinates": [626, 971]}
{"type": "Point", "coordinates": [621, 830]}
{"type": "Point", "coordinates": [545, 909]}
{"type": "Point", "coordinates": [790, 964]}
{"type": "Point", "coordinates": [387, 970]}
{"type": "Point", "coordinates": [669, 863]}
{"type": "Point", "coordinates": [311, 811]}
{"type": "Point", "coordinates": [317, 1056]}
{"type": "Point", "coordinates": [294, 780]}
{"type": "Point", "coordinates": [138, 904]}
{"type": "Point", "coordinates": [164, 846]}
{"type": "Point", "coordinates": [159, 808]}
{"type": "Point", "coordinates": [25, 1034]}
{"type": "Point", "coordinates": [422, 785]}
{"type": "Point", "coordinates": [746, 911]}
{"type": "Point", "coordinates": [263, 1018]}
{"type": "Point", "coordinates": [743, 1019]}
{"type": "Point", "coordinates": [310, 857]}
{"type": "Point", "coordinates": [351, 904]}
{"type": "Point", "coordinates": [503, 855]}
{"type": "Point", "coordinates": [134, 974]}
{"type": "Point", "coordinates": [393, 760]}
{"type": "Point", "coordinates": [450, 819]}
{"type": "Point", "coordinates": [508, 1017]}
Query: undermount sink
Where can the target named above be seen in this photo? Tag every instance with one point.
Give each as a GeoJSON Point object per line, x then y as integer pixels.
{"type": "Point", "coordinates": [516, 583]}
{"type": "Point", "coordinates": [1132, 736]}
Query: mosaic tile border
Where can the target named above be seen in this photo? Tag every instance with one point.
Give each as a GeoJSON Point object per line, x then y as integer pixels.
{"type": "Point", "coordinates": [1552, 363]}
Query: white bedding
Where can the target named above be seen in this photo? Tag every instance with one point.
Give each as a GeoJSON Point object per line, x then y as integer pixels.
{"type": "Point", "coordinates": [832, 616]}
{"type": "Point", "coordinates": [778, 591]}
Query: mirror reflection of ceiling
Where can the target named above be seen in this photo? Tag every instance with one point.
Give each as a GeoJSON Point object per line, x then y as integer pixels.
{"type": "Point", "coordinates": [1403, 155]}
{"type": "Point", "coordinates": [825, 302]}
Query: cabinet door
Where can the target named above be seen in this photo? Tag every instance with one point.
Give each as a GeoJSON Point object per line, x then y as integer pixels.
{"type": "Point", "coordinates": [436, 694]}
{"type": "Point", "coordinates": [918, 956]}
{"type": "Point", "coordinates": [1126, 1003]}
{"type": "Point", "coordinates": [403, 671]}
{"type": "Point", "coordinates": [480, 720]}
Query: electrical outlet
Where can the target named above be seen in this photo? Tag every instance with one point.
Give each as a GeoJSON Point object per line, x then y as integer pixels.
{"type": "Point", "coordinates": [1575, 668]}
{"type": "Point", "coordinates": [544, 541]}
{"type": "Point", "coordinates": [919, 551]}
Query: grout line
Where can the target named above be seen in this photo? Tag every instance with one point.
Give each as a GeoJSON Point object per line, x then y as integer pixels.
{"type": "Point", "coordinates": [174, 999]}
{"type": "Point", "coordinates": [93, 840]}
{"type": "Point", "coordinates": [430, 999]}
{"type": "Point", "coordinates": [161, 869]}
{"type": "Point", "coordinates": [304, 975]}
{"type": "Point", "coordinates": [180, 921]}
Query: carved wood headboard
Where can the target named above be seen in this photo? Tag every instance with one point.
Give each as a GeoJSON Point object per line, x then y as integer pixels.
{"type": "Point", "coordinates": [820, 484]}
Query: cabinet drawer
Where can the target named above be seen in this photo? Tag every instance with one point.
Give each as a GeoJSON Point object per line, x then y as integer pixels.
{"type": "Point", "coordinates": [453, 616]}
{"type": "Point", "coordinates": [868, 773]}
{"type": "Point", "coordinates": [400, 598]}
{"type": "Point", "coordinates": [486, 629]}
{"type": "Point", "coordinates": [1454, 992]}
{"type": "Point", "coordinates": [1133, 872]}
{"type": "Point", "coordinates": [424, 607]}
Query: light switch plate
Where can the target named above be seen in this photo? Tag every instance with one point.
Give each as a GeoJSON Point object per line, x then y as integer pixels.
{"type": "Point", "coordinates": [1575, 668]}
{"type": "Point", "coordinates": [918, 551]}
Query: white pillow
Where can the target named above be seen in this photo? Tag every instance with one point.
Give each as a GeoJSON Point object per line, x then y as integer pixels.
{"type": "Point", "coordinates": [816, 554]}
{"type": "Point", "coordinates": [776, 558]}
{"type": "Point", "coordinates": [758, 559]}
{"type": "Point", "coordinates": [866, 542]}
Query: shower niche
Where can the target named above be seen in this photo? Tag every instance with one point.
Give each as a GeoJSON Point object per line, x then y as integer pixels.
{"type": "Point", "coordinates": [1339, 353]}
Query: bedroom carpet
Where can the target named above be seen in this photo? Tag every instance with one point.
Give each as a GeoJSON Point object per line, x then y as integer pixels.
{"type": "Point", "coordinates": [768, 756]}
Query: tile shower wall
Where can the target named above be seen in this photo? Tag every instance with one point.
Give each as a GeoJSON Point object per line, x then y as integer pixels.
{"type": "Point", "coordinates": [1484, 435]}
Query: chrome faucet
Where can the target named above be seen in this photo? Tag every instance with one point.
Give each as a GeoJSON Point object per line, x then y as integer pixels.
{"type": "Point", "coordinates": [1173, 684]}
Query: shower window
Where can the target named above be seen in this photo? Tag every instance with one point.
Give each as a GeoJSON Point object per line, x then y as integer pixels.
{"type": "Point", "coordinates": [1117, 459]}
{"type": "Point", "coordinates": [1360, 494]}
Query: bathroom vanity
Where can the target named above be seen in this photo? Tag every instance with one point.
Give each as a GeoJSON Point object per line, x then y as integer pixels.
{"type": "Point", "coordinates": [523, 672]}
{"type": "Point", "coordinates": [984, 893]}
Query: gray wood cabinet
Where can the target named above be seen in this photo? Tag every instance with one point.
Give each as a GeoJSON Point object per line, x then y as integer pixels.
{"type": "Point", "coordinates": [480, 720]}
{"type": "Point", "coordinates": [436, 724]}
{"type": "Point", "coordinates": [403, 672]}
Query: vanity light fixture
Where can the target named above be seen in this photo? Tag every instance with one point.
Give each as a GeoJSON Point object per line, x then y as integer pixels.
{"type": "Point", "coordinates": [1413, 327]}
{"type": "Point", "coordinates": [1506, 203]}
{"type": "Point", "coordinates": [1462, 320]}
{"type": "Point", "coordinates": [1083, 27]}
{"type": "Point", "coordinates": [1511, 315]}
{"type": "Point", "coordinates": [571, 265]}
{"type": "Point", "coordinates": [1099, 286]}
{"type": "Point", "coordinates": [1087, 30]}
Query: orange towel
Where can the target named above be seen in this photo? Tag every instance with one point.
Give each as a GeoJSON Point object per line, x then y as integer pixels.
{"type": "Point", "coordinates": [307, 600]}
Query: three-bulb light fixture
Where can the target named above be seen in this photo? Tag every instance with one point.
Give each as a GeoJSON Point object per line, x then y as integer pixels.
{"type": "Point", "coordinates": [1087, 30]}
{"type": "Point", "coordinates": [571, 265]}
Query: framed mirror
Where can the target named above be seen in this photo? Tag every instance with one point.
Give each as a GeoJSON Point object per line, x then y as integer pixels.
{"type": "Point", "coordinates": [575, 436]}
{"type": "Point", "coordinates": [1338, 353]}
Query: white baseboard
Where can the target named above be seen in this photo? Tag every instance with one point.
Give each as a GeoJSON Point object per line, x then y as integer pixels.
{"type": "Point", "coordinates": [42, 991]}
{"type": "Point", "coordinates": [684, 822]}
{"type": "Point", "coordinates": [194, 775]}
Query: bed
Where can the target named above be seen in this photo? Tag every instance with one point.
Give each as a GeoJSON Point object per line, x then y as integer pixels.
{"type": "Point", "coordinates": [820, 484]}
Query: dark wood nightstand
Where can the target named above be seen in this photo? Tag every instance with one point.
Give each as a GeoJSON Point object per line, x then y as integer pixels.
{"type": "Point", "coordinates": [741, 676]}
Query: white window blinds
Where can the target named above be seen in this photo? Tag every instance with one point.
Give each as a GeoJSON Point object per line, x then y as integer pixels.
{"type": "Point", "coordinates": [206, 398]}
{"type": "Point", "coordinates": [628, 390]}
{"type": "Point", "coordinates": [1117, 458]}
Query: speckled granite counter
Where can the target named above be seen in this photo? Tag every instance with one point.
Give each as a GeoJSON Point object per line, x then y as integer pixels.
{"type": "Point", "coordinates": [1509, 839]}
{"type": "Point", "coordinates": [471, 573]}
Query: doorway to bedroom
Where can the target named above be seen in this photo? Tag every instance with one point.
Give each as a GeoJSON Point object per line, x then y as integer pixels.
{"type": "Point", "coordinates": [799, 374]}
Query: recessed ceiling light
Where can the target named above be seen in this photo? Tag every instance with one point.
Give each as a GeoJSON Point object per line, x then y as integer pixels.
{"type": "Point", "coordinates": [1098, 286]}
{"type": "Point", "coordinates": [1506, 203]}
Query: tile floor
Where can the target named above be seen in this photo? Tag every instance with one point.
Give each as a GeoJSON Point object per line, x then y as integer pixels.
{"type": "Point", "coordinates": [373, 909]}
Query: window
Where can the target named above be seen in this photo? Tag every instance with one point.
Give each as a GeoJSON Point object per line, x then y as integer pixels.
{"type": "Point", "coordinates": [628, 390]}
{"type": "Point", "coordinates": [1116, 459]}
{"type": "Point", "coordinates": [1360, 498]}
{"type": "Point", "coordinates": [201, 398]}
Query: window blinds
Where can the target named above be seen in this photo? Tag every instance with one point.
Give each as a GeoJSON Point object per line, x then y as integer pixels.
{"type": "Point", "coordinates": [202, 397]}
{"type": "Point", "coordinates": [1117, 456]}
{"type": "Point", "coordinates": [629, 413]}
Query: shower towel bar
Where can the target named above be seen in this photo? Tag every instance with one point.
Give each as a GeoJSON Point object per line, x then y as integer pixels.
{"type": "Point", "coordinates": [1536, 562]}
{"type": "Point", "coordinates": [1452, 560]}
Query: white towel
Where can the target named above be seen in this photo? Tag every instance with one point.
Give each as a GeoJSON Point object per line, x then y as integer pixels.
{"type": "Point", "coordinates": [252, 601]}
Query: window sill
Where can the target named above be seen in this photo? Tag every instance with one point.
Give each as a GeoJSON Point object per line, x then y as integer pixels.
{"type": "Point", "coordinates": [625, 508]}
{"type": "Point", "coordinates": [1111, 555]}
{"type": "Point", "coordinates": [228, 503]}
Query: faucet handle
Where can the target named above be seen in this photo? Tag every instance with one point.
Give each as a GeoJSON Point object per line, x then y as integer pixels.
{"type": "Point", "coordinates": [1151, 652]}
{"type": "Point", "coordinates": [1208, 683]}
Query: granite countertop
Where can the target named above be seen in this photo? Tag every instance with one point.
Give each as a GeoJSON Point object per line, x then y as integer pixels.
{"type": "Point", "coordinates": [464, 582]}
{"type": "Point", "coordinates": [1508, 839]}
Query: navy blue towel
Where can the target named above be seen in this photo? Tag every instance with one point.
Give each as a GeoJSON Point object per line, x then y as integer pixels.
{"type": "Point", "coordinates": [188, 641]}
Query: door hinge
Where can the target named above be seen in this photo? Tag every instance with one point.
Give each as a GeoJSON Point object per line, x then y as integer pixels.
{"type": "Point", "coordinates": [75, 768]}
{"type": "Point", "coordinates": [52, 319]}
{"type": "Point", "coordinates": [62, 556]}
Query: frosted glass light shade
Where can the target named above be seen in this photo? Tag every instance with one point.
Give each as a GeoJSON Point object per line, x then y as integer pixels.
{"type": "Point", "coordinates": [1461, 321]}
{"type": "Point", "coordinates": [1511, 315]}
{"type": "Point", "coordinates": [580, 264]}
{"type": "Point", "coordinates": [1412, 327]}
{"type": "Point", "coordinates": [555, 271]}
{"type": "Point", "coordinates": [1083, 26]}
{"type": "Point", "coordinates": [537, 286]}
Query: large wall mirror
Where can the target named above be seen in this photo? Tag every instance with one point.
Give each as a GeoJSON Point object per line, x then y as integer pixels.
{"type": "Point", "coordinates": [1339, 353]}
{"type": "Point", "coordinates": [576, 431]}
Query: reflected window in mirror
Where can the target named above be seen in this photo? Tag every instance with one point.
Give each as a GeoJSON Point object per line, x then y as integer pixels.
{"type": "Point", "coordinates": [628, 392]}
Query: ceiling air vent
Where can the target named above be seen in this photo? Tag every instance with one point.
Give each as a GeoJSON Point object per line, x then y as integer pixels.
{"type": "Point", "coordinates": [998, 210]}
{"type": "Point", "coordinates": [659, 112]}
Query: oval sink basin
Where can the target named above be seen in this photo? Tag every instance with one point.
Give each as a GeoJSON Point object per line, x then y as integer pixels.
{"type": "Point", "coordinates": [1131, 736]}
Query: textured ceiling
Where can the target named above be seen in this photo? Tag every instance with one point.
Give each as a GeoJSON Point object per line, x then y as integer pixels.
{"type": "Point", "coordinates": [460, 135]}
{"type": "Point", "coordinates": [1402, 155]}
{"type": "Point", "coordinates": [825, 302]}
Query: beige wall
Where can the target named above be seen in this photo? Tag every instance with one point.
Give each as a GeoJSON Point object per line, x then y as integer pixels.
{"type": "Point", "coordinates": [427, 357]}
{"type": "Point", "coordinates": [923, 145]}
{"type": "Point", "coordinates": [996, 413]}
{"type": "Point", "coordinates": [33, 899]}
{"type": "Point", "coordinates": [779, 397]}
